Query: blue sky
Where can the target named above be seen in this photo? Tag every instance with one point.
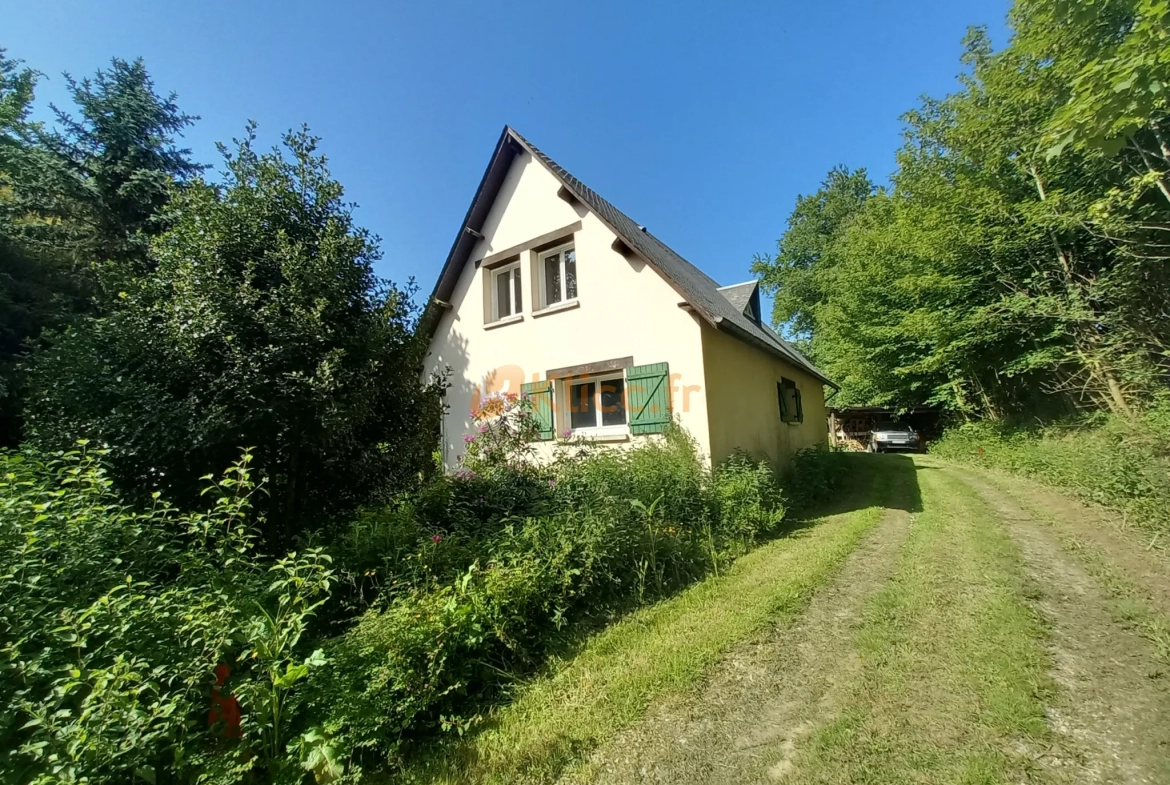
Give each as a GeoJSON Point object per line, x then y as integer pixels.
{"type": "Point", "coordinates": [702, 121]}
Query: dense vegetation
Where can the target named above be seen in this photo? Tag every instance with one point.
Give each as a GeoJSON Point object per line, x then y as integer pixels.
{"type": "Point", "coordinates": [1017, 260]}
{"type": "Point", "coordinates": [414, 620]}
{"type": "Point", "coordinates": [1119, 462]}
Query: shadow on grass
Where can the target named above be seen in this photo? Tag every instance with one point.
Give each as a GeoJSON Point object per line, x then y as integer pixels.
{"type": "Point", "coordinates": [866, 480]}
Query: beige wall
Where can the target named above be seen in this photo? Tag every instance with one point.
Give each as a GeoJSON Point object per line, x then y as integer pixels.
{"type": "Point", "coordinates": [742, 406]}
{"type": "Point", "coordinates": [626, 309]}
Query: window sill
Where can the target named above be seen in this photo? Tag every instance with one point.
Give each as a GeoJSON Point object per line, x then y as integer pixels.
{"type": "Point", "coordinates": [600, 436]}
{"type": "Point", "coordinates": [516, 317]}
{"type": "Point", "coordinates": [567, 305]}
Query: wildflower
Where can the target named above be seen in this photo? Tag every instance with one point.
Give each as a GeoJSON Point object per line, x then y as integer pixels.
{"type": "Point", "coordinates": [481, 500]}
{"type": "Point", "coordinates": [436, 538]}
{"type": "Point", "coordinates": [565, 434]}
{"type": "Point", "coordinates": [552, 483]}
{"type": "Point", "coordinates": [468, 438]}
{"type": "Point", "coordinates": [483, 429]}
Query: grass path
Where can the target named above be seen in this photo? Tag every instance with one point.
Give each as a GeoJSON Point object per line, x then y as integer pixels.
{"type": "Point", "coordinates": [658, 653]}
{"type": "Point", "coordinates": [946, 625]}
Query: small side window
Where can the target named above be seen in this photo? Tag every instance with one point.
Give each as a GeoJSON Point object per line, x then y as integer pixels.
{"type": "Point", "coordinates": [558, 274]}
{"type": "Point", "coordinates": [791, 406]}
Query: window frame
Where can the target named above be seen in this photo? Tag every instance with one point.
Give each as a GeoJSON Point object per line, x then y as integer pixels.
{"type": "Point", "coordinates": [565, 391]}
{"type": "Point", "coordinates": [792, 418]}
{"type": "Point", "coordinates": [541, 255]}
{"type": "Point", "coordinates": [511, 269]}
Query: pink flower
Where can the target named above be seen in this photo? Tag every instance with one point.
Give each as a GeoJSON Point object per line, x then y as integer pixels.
{"type": "Point", "coordinates": [552, 483]}
{"type": "Point", "coordinates": [468, 438]}
{"type": "Point", "coordinates": [566, 433]}
{"type": "Point", "coordinates": [436, 538]}
{"type": "Point", "coordinates": [483, 429]}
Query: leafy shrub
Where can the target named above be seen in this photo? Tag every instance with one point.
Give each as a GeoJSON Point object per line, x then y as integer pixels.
{"type": "Point", "coordinates": [606, 529]}
{"type": "Point", "coordinates": [748, 498]}
{"type": "Point", "coordinates": [116, 620]}
{"type": "Point", "coordinates": [1109, 460]}
{"type": "Point", "coordinates": [113, 620]}
{"type": "Point", "coordinates": [813, 475]}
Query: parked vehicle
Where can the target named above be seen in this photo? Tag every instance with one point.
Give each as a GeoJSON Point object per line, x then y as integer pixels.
{"type": "Point", "coordinates": [894, 436]}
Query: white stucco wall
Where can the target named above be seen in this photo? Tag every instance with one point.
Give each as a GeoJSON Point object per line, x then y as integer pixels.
{"type": "Point", "coordinates": [626, 309]}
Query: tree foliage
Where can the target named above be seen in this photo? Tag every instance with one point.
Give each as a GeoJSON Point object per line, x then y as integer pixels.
{"type": "Point", "coordinates": [260, 323]}
{"type": "Point", "coordinates": [1018, 258]}
{"type": "Point", "coordinates": [75, 198]}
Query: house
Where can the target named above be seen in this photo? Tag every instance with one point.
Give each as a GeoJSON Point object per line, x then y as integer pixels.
{"type": "Point", "coordinates": [551, 291]}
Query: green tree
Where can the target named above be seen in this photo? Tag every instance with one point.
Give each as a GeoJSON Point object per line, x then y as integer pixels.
{"type": "Point", "coordinates": [797, 276]}
{"type": "Point", "coordinates": [261, 325]}
{"type": "Point", "coordinates": [1018, 258]}
{"type": "Point", "coordinates": [117, 160]}
{"type": "Point", "coordinates": [91, 192]}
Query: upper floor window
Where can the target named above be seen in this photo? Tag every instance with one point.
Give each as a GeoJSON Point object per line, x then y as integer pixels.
{"type": "Point", "coordinates": [507, 299]}
{"type": "Point", "coordinates": [558, 272]}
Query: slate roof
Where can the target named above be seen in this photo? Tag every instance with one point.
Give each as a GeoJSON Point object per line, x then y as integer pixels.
{"type": "Point", "coordinates": [741, 295]}
{"type": "Point", "coordinates": [697, 289]}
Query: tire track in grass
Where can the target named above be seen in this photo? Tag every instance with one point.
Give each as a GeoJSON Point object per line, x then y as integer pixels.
{"type": "Point", "coordinates": [766, 692]}
{"type": "Point", "coordinates": [1113, 711]}
{"type": "Point", "coordinates": [654, 653]}
{"type": "Point", "coordinates": [953, 678]}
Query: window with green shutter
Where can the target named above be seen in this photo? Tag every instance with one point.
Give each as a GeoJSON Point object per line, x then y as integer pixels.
{"type": "Point", "coordinates": [648, 392]}
{"type": "Point", "coordinates": [791, 408]}
{"type": "Point", "coordinates": [540, 393]}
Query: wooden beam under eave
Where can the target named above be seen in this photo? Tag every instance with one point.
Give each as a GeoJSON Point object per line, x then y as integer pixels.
{"type": "Point", "coordinates": [564, 193]}
{"type": "Point", "coordinates": [620, 246]}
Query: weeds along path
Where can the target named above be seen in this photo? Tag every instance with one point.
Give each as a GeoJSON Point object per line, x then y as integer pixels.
{"type": "Point", "coordinates": [1112, 711]}
{"type": "Point", "coordinates": [661, 653]}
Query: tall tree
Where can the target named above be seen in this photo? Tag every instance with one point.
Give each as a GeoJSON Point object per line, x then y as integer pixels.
{"type": "Point", "coordinates": [1022, 244]}
{"type": "Point", "coordinates": [118, 159]}
{"type": "Point", "coordinates": [260, 324]}
{"type": "Point", "coordinates": [75, 200]}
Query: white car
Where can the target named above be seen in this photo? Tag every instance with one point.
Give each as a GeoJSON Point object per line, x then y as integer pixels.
{"type": "Point", "coordinates": [893, 436]}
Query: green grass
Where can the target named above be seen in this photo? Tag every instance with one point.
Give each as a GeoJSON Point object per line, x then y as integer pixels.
{"type": "Point", "coordinates": [660, 651]}
{"type": "Point", "coordinates": [1129, 604]}
{"type": "Point", "coordinates": [953, 676]}
{"type": "Point", "coordinates": [1117, 462]}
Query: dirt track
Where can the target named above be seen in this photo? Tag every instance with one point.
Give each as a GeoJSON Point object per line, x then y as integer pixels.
{"type": "Point", "coordinates": [987, 628]}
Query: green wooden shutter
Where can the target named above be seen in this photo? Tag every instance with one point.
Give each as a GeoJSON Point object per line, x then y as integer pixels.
{"type": "Point", "coordinates": [542, 409]}
{"type": "Point", "coordinates": [648, 392]}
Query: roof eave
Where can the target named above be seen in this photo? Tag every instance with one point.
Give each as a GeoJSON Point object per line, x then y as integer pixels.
{"type": "Point", "coordinates": [472, 225]}
{"type": "Point", "coordinates": [776, 351]}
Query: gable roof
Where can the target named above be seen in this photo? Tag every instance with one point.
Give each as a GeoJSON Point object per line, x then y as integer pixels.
{"type": "Point", "coordinates": [698, 290]}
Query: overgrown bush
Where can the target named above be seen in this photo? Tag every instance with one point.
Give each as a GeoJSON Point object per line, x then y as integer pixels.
{"type": "Point", "coordinates": [479, 605]}
{"type": "Point", "coordinates": [116, 620]}
{"type": "Point", "coordinates": [1110, 460]}
{"type": "Point", "coordinates": [113, 620]}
